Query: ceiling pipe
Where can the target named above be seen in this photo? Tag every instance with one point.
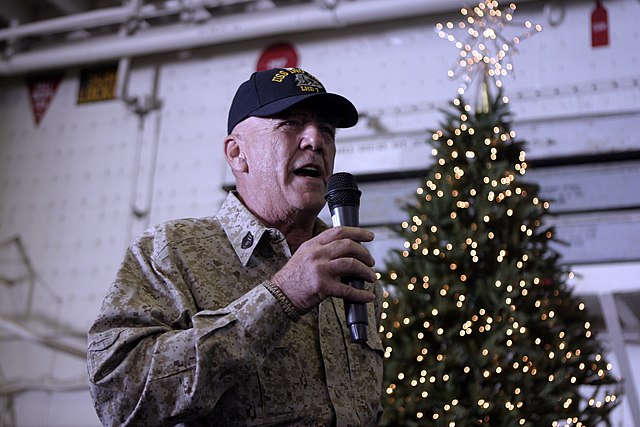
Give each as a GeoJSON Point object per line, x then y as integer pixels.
{"type": "Point", "coordinates": [217, 31]}
{"type": "Point", "coordinates": [133, 9]}
{"type": "Point", "coordinates": [79, 21]}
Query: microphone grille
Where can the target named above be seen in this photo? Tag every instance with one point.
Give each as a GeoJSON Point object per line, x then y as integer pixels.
{"type": "Point", "coordinates": [342, 189]}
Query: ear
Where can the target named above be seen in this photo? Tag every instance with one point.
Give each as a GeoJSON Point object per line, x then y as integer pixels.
{"type": "Point", "coordinates": [234, 155]}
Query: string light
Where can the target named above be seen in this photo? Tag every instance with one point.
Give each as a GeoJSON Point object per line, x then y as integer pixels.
{"type": "Point", "coordinates": [482, 47]}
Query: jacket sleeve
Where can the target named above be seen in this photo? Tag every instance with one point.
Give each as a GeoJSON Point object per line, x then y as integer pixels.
{"type": "Point", "coordinates": [153, 359]}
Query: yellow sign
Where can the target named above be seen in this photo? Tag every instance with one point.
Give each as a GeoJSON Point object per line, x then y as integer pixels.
{"type": "Point", "coordinates": [98, 84]}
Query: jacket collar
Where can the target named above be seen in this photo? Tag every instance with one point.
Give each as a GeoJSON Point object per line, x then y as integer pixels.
{"type": "Point", "coordinates": [244, 230]}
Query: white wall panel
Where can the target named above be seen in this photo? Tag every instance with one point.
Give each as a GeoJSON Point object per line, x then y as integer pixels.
{"type": "Point", "coordinates": [601, 186]}
{"type": "Point", "coordinates": [60, 184]}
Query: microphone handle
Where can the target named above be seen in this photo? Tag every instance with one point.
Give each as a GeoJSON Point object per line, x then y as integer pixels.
{"type": "Point", "coordinates": [356, 313]}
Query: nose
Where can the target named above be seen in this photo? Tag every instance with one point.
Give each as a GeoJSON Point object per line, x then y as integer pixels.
{"type": "Point", "coordinates": [312, 137]}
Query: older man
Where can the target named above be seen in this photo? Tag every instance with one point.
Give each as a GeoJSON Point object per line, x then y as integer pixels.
{"type": "Point", "coordinates": [238, 319]}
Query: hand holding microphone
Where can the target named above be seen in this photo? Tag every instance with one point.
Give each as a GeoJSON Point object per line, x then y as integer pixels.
{"type": "Point", "coordinates": [311, 275]}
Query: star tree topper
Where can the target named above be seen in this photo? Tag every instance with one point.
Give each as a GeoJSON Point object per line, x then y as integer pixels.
{"type": "Point", "coordinates": [484, 50]}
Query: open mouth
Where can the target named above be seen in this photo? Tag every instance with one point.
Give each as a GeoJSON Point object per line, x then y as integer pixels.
{"type": "Point", "coordinates": [308, 171]}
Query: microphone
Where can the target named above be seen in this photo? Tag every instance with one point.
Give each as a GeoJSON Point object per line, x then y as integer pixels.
{"type": "Point", "coordinates": [343, 198]}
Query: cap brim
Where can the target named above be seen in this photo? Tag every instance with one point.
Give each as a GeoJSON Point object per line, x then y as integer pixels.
{"type": "Point", "coordinates": [337, 108]}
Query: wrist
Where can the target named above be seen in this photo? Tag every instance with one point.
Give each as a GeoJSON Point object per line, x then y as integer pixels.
{"type": "Point", "coordinates": [286, 304]}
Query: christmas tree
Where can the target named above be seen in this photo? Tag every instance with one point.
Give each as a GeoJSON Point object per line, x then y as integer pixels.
{"type": "Point", "coordinates": [480, 326]}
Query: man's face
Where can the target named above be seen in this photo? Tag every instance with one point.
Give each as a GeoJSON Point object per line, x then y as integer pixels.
{"type": "Point", "coordinates": [290, 158]}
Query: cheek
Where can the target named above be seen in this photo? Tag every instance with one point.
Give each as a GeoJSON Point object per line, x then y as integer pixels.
{"type": "Point", "coordinates": [263, 161]}
{"type": "Point", "coordinates": [330, 160]}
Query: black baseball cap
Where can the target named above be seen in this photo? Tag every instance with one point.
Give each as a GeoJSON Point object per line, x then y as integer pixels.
{"type": "Point", "coordinates": [270, 92]}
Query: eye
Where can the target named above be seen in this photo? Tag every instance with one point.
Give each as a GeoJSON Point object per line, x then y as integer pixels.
{"type": "Point", "coordinates": [290, 123]}
{"type": "Point", "coordinates": [327, 129]}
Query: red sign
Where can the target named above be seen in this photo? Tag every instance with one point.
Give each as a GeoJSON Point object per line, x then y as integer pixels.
{"type": "Point", "coordinates": [41, 92]}
{"type": "Point", "coordinates": [280, 55]}
{"type": "Point", "coordinates": [599, 26]}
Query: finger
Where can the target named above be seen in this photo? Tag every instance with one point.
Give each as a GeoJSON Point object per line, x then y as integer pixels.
{"type": "Point", "coordinates": [351, 267]}
{"type": "Point", "coordinates": [344, 291]}
{"type": "Point", "coordinates": [344, 232]}
{"type": "Point", "coordinates": [347, 248]}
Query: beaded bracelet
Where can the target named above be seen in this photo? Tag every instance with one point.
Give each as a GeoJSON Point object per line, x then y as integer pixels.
{"type": "Point", "coordinates": [285, 302]}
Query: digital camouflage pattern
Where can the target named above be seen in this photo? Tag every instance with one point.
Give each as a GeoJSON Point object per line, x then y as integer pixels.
{"type": "Point", "coordinates": [189, 335]}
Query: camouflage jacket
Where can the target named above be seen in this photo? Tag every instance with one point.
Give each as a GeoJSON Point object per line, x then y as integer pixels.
{"type": "Point", "coordinates": [189, 335]}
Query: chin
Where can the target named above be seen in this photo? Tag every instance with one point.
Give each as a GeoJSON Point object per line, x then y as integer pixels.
{"type": "Point", "coordinates": [312, 205]}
